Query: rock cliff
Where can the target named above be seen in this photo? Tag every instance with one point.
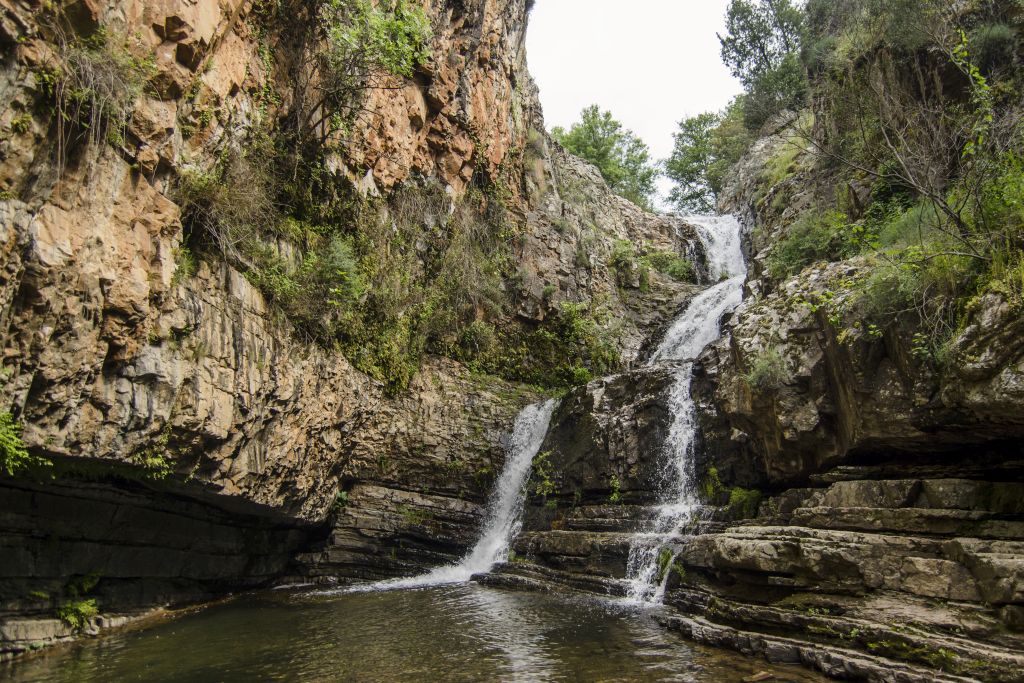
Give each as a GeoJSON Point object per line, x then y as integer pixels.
{"type": "Point", "coordinates": [183, 390]}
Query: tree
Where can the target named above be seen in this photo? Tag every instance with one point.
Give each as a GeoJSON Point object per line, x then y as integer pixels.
{"type": "Point", "coordinates": [622, 158]}
{"type": "Point", "coordinates": [688, 166]}
{"type": "Point", "coordinates": [759, 36]}
{"type": "Point", "coordinates": [761, 48]}
{"type": "Point", "coordinates": [706, 146]}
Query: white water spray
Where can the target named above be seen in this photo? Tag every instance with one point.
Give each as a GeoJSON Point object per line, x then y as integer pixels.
{"type": "Point", "coordinates": [504, 511]}
{"type": "Point", "coordinates": [698, 326]}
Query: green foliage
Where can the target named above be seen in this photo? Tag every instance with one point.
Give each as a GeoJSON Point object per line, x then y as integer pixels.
{"type": "Point", "coordinates": [711, 486]}
{"type": "Point", "coordinates": [995, 46]}
{"type": "Point", "coordinates": [544, 479]}
{"type": "Point", "coordinates": [14, 457]}
{"type": "Point", "coordinates": [74, 609]}
{"type": "Point", "coordinates": [615, 485]}
{"type": "Point", "coordinates": [185, 267]}
{"type": "Point", "coordinates": [93, 82]}
{"type": "Point", "coordinates": [812, 238]}
{"type": "Point", "coordinates": [760, 34]}
{"type": "Point", "coordinates": [21, 123]}
{"type": "Point", "coordinates": [340, 501]}
{"type": "Point", "coordinates": [392, 36]}
{"type": "Point", "coordinates": [688, 166]}
{"type": "Point", "coordinates": [743, 503]}
{"type": "Point", "coordinates": [665, 557]}
{"type": "Point", "coordinates": [629, 269]}
{"type": "Point", "coordinates": [673, 265]}
{"type": "Point", "coordinates": [351, 48]}
{"type": "Point", "coordinates": [157, 459]}
{"type": "Point", "coordinates": [76, 613]}
{"type": "Point", "coordinates": [768, 370]}
{"type": "Point", "coordinates": [761, 47]}
{"type": "Point", "coordinates": [621, 157]}
{"type": "Point", "coordinates": [706, 147]}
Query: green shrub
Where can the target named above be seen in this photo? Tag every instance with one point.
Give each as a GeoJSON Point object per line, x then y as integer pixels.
{"type": "Point", "coordinates": [94, 82]}
{"type": "Point", "coordinates": [626, 264]}
{"type": "Point", "coordinates": [75, 609]}
{"type": "Point", "coordinates": [544, 479]}
{"type": "Point", "coordinates": [994, 45]}
{"type": "Point", "coordinates": [185, 265]}
{"type": "Point", "coordinates": [768, 370]}
{"type": "Point", "coordinates": [14, 457]}
{"type": "Point", "coordinates": [673, 265]}
{"type": "Point", "coordinates": [615, 485]}
{"type": "Point", "coordinates": [812, 238]}
{"type": "Point", "coordinates": [76, 613]}
{"type": "Point", "coordinates": [711, 486]}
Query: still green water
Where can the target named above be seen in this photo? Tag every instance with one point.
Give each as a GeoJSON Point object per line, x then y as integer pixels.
{"type": "Point", "coordinates": [454, 633]}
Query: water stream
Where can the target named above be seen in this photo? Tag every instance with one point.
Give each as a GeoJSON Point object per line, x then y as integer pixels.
{"type": "Point", "coordinates": [698, 326]}
{"type": "Point", "coordinates": [503, 518]}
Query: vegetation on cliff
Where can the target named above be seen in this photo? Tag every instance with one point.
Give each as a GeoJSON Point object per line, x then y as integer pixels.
{"type": "Point", "coordinates": [388, 279]}
{"type": "Point", "coordinates": [908, 151]}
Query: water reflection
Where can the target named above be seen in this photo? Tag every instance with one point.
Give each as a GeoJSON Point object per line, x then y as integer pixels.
{"type": "Point", "coordinates": [455, 633]}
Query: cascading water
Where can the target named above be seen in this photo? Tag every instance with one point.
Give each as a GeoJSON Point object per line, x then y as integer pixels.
{"type": "Point", "coordinates": [689, 334]}
{"type": "Point", "coordinates": [504, 511]}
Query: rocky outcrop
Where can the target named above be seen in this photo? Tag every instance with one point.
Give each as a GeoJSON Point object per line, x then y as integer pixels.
{"type": "Point", "coordinates": [849, 392]}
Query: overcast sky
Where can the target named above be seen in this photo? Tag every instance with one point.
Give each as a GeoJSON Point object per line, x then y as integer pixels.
{"type": "Point", "coordinates": [651, 62]}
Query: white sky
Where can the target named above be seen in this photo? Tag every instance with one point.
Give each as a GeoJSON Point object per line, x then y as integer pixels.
{"type": "Point", "coordinates": [650, 62]}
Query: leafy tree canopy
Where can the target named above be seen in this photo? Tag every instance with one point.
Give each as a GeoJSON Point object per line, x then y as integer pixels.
{"type": "Point", "coordinates": [623, 158]}
{"type": "Point", "coordinates": [705, 147]}
{"type": "Point", "coordinates": [688, 165]}
{"type": "Point", "coordinates": [761, 47]}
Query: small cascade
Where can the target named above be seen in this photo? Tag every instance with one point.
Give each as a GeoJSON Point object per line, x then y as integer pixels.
{"type": "Point", "coordinates": [697, 327]}
{"type": "Point", "coordinates": [504, 511]}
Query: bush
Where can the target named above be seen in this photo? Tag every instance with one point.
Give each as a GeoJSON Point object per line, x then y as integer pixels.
{"type": "Point", "coordinates": [94, 83]}
{"type": "Point", "coordinates": [743, 503]}
{"type": "Point", "coordinates": [230, 207]}
{"type": "Point", "coordinates": [995, 46]}
{"type": "Point", "coordinates": [14, 457]}
{"type": "Point", "coordinates": [673, 265]}
{"type": "Point", "coordinates": [768, 370]}
{"type": "Point", "coordinates": [629, 269]}
{"type": "Point", "coordinates": [814, 237]}
{"type": "Point", "coordinates": [77, 613]}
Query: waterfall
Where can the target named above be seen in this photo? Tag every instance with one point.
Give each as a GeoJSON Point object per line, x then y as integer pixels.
{"type": "Point", "coordinates": [503, 518]}
{"type": "Point", "coordinates": [686, 338]}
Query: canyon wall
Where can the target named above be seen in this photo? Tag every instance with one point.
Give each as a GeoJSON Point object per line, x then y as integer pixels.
{"type": "Point", "coordinates": [184, 397]}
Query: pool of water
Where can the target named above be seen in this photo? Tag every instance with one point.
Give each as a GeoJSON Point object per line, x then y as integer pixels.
{"type": "Point", "coordinates": [453, 633]}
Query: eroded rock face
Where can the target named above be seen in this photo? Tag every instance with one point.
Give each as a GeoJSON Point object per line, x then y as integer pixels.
{"type": "Point", "coordinates": [849, 392]}
{"type": "Point", "coordinates": [605, 439]}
